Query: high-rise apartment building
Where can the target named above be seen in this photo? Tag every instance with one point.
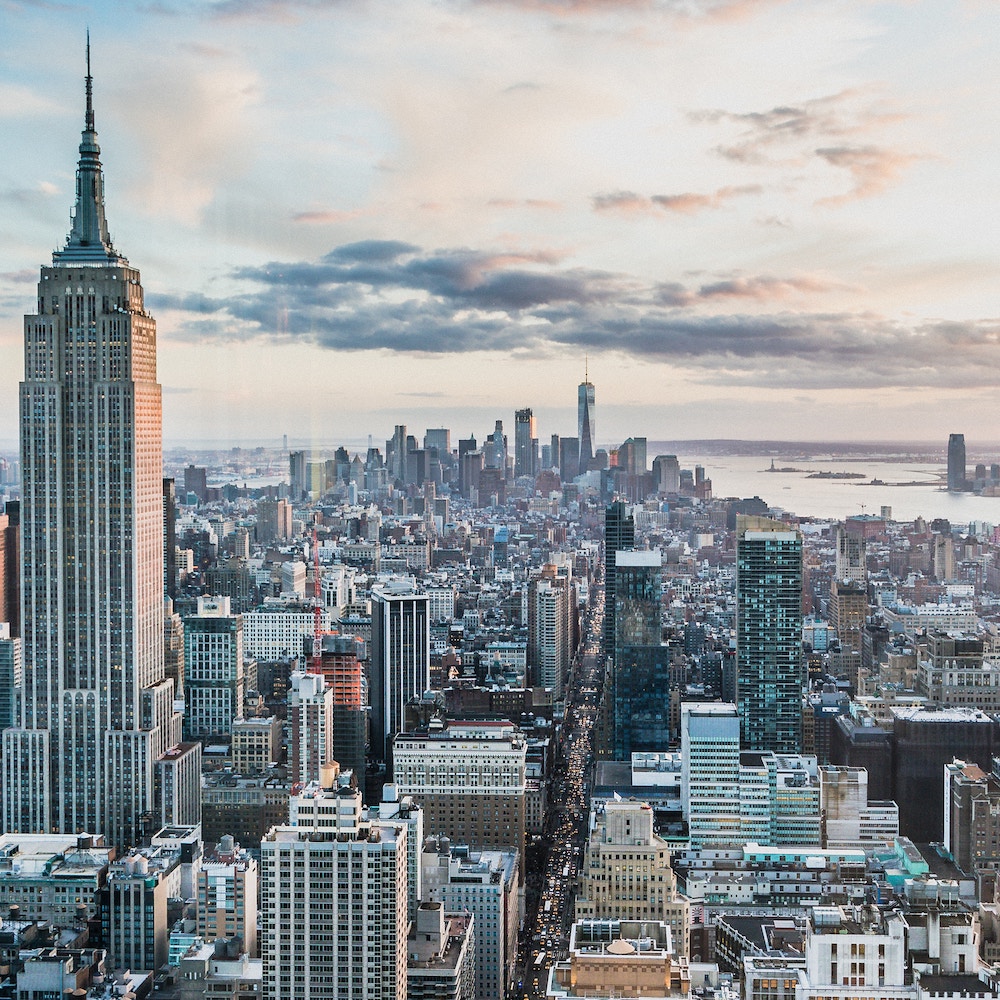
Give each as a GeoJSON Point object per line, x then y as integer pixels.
{"type": "Point", "coordinates": [956, 462]}
{"type": "Point", "coordinates": [550, 629]}
{"type": "Point", "coordinates": [96, 710]}
{"type": "Point", "coordinates": [334, 905]}
{"type": "Point", "coordinates": [525, 443]}
{"type": "Point", "coordinates": [619, 534]}
{"type": "Point", "coordinates": [310, 716]}
{"type": "Point", "coordinates": [769, 662]}
{"type": "Point", "coordinates": [585, 424]}
{"type": "Point", "coordinates": [399, 665]}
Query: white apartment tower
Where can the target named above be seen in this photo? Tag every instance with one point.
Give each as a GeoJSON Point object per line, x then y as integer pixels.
{"type": "Point", "coordinates": [96, 709]}
{"type": "Point", "coordinates": [334, 903]}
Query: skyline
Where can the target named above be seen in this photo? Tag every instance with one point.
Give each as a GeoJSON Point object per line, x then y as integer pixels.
{"type": "Point", "coordinates": [737, 252]}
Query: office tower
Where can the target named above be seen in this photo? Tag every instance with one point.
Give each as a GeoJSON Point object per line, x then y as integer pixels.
{"type": "Point", "coordinates": [343, 673]}
{"type": "Point", "coordinates": [619, 535]}
{"type": "Point", "coordinates": [297, 474]}
{"type": "Point", "coordinates": [525, 443]}
{"type": "Point", "coordinates": [310, 716]}
{"type": "Point", "coordinates": [214, 680]}
{"type": "Point", "coordinates": [495, 451]}
{"type": "Point", "coordinates": [334, 905]}
{"type": "Point", "coordinates": [848, 612]}
{"type": "Point", "coordinates": [640, 678]}
{"type": "Point", "coordinates": [486, 884]}
{"type": "Point", "coordinates": [710, 767]}
{"type": "Point", "coordinates": [465, 447]}
{"type": "Point", "coordinates": [399, 665]}
{"type": "Point", "coordinates": [554, 444]}
{"type": "Point", "coordinates": [227, 896]}
{"type": "Point", "coordinates": [438, 437]}
{"type": "Point", "coordinates": [852, 556]}
{"type": "Point", "coordinates": [956, 462]}
{"type": "Point", "coordinates": [395, 453]}
{"type": "Point", "coordinates": [851, 819]}
{"type": "Point", "coordinates": [769, 663]}
{"type": "Point", "coordinates": [469, 779]}
{"type": "Point", "coordinates": [585, 424]}
{"type": "Point", "coordinates": [622, 831]}
{"type": "Point", "coordinates": [196, 482]}
{"type": "Point", "coordinates": [666, 474]}
{"type": "Point", "coordinates": [569, 458]}
{"type": "Point", "coordinates": [274, 521]}
{"type": "Point", "coordinates": [10, 676]}
{"type": "Point", "coordinates": [10, 566]}
{"type": "Point", "coordinates": [96, 710]}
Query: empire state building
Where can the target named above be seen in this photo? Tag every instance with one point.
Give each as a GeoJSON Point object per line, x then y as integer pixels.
{"type": "Point", "coordinates": [96, 709]}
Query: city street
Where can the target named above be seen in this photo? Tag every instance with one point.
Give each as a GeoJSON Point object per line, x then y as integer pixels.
{"type": "Point", "coordinates": [554, 865]}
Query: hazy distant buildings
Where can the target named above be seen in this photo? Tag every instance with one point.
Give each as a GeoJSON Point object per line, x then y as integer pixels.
{"type": "Point", "coordinates": [769, 662]}
{"type": "Point", "coordinates": [525, 443]}
{"type": "Point", "coordinates": [956, 463]}
{"type": "Point", "coordinates": [96, 710]}
{"type": "Point", "coordinates": [666, 474]}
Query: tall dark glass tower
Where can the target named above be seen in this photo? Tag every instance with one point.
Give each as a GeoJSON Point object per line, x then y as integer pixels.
{"type": "Point", "coordinates": [96, 708]}
{"type": "Point", "coordinates": [769, 663]}
{"type": "Point", "coordinates": [956, 462]}
{"type": "Point", "coordinates": [640, 678]}
{"type": "Point", "coordinates": [619, 533]}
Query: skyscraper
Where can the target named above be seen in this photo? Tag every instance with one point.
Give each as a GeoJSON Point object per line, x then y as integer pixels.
{"type": "Point", "coordinates": [399, 666]}
{"type": "Point", "coordinates": [769, 667]}
{"type": "Point", "coordinates": [956, 462]}
{"type": "Point", "coordinates": [585, 422]}
{"type": "Point", "coordinates": [525, 443]}
{"type": "Point", "coordinates": [619, 534]}
{"type": "Point", "coordinates": [96, 709]}
{"type": "Point", "coordinates": [640, 680]}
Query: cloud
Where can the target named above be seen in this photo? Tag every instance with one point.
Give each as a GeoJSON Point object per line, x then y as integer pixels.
{"type": "Point", "coordinates": [847, 113]}
{"type": "Point", "coordinates": [687, 203]}
{"type": "Point", "coordinates": [392, 296]}
{"type": "Point", "coordinates": [325, 216]}
{"type": "Point", "coordinates": [871, 168]}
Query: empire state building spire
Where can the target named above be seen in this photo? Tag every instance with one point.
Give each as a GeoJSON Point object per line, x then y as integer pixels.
{"type": "Point", "coordinates": [89, 239]}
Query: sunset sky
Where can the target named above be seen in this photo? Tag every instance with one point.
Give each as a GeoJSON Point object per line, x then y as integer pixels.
{"type": "Point", "coordinates": [759, 219]}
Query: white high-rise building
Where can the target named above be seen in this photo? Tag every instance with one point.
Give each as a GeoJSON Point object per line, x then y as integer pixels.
{"type": "Point", "coordinates": [710, 768]}
{"type": "Point", "coordinates": [96, 709]}
{"type": "Point", "coordinates": [310, 714]}
{"type": "Point", "coordinates": [334, 901]}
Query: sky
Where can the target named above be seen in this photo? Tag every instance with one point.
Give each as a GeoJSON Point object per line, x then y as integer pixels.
{"type": "Point", "coordinates": [745, 218]}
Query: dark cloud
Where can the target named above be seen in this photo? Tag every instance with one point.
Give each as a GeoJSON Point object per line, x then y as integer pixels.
{"type": "Point", "coordinates": [391, 296]}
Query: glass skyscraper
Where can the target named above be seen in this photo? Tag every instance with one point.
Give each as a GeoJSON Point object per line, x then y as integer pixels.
{"type": "Point", "coordinates": [769, 662]}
